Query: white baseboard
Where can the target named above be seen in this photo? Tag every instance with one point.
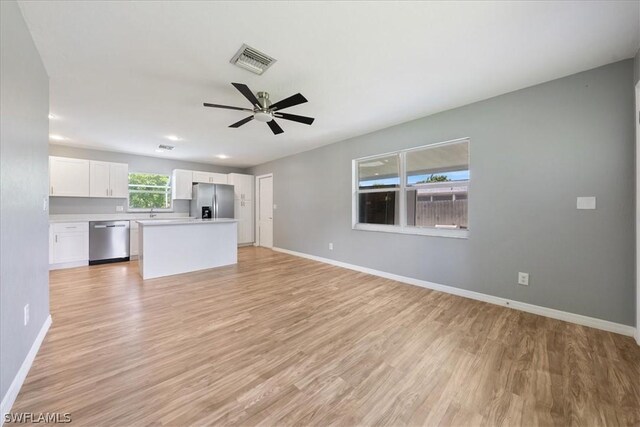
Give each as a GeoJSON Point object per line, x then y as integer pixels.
{"type": "Point", "coordinates": [10, 397]}
{"type": "Point", "coordinates": [579, 319]}
{"type": "Point", "coordinates": [72, 264]}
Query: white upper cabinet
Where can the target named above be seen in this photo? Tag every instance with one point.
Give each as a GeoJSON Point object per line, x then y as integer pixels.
{"type": "Point", "coordinates": [200, 177]}
{"type": "Point", "coordinates": [68, 177]}
{"type": "Point", "coordinates": [119, 180]}
{"type": "Point", "coordinates": [108, 179]}
{"type": "Point", "coordinates": [99, 179]}
{"type": "Point", "coordinates": [181, 181]}
{"type": "Point", "coordinates": [242, 185]}
{"type": "Point", "coordinates": [209, 177]}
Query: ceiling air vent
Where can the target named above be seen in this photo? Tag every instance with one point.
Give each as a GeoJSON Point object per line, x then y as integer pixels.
{"type": "Point", "coordinates": [252, 60]}
{"type": "Point", "coordinates": [164, 147]}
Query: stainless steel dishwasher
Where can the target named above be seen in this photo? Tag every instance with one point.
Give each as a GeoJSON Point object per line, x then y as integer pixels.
{"type": "Point", "coordinates": [108, 241]}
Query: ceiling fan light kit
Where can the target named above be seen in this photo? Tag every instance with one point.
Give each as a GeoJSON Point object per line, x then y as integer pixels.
{"type": "Point", "coordinates": [264, 111]}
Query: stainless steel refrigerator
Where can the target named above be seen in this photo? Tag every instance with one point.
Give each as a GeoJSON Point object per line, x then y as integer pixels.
{"type": "Point", "coordinates": [216, 200]}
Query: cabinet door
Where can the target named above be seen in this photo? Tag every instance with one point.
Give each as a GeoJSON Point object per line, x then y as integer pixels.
{"type": "Point", "coordinates": [119, 180]}
{"type": "Point", "coordinates": [244, 215]}
{"type": "Point", "coordinates": [69, 247]}
{"type": "Point", "coordinates": [218, 178]}
{"type": "Point", "coordinates": [68, 177]}
{"type": "Point", "coordinates": [247, 187]}
{"type": "Point", "coordinates": [201, 177]}
{"type": "Point", "coordinates": [98, 179]}
{"type": "Point", "coordinates": [242, 185]}
{"type": "Point", "coordinates": [51, 247]}
{"type": "Point", "coordinates": [181, 184]}
{"type": "Point", "coordinates": [238, 215]}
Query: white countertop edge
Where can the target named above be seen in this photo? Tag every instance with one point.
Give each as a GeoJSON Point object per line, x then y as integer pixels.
{"type": "Point", "coordinates": [192, 221]}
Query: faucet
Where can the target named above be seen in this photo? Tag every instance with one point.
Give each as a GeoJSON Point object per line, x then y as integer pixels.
{"type": "Point", "coordinates": [152, 215]}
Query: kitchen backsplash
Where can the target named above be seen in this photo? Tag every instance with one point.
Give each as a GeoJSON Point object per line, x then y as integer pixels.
{"type": "Point", "coordinates": [87, 205]}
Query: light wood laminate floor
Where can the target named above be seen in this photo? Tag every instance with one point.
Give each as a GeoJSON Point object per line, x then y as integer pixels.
{"type": "Point", "coordinates": [281, 340]}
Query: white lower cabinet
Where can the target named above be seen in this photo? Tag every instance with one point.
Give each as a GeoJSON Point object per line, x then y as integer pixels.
{"type": "Point", "coordinates": [244, 215]}
{"type": "Point", "coordinates": [68, 244]}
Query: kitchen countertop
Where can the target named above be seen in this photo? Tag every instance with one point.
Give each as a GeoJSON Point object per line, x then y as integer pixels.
{"type": "Point", "coordinates": [117, 217]}
{"type": "Point", "coordinates": [183, 221]}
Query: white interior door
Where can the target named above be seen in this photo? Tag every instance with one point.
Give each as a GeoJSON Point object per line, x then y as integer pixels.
{"type": "Point", "coordinates": [265, 211]}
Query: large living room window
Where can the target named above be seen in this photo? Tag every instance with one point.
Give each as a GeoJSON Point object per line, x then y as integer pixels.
{"type": "Point", "coordinates": [149, 191]}
{"type": "Point", "coordinates": [422, 190]}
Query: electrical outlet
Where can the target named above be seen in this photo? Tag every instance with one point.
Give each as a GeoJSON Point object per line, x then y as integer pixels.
{"type": "Point", "coordinates": [523, 279]}
{"type": "Point", "coordinates": [44, 203]}
{"type": "Point", "coordinates": [119, 208]}
{"type": "Point", "coordinates": [330, 246]}
{"type": "Point", "coordinates": [26, 314]}
{"type": "Point", "coordinates": [586, 202]}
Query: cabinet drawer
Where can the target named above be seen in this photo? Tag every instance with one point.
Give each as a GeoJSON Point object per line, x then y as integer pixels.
{"type": "Point", "coordinates": [61, 227]}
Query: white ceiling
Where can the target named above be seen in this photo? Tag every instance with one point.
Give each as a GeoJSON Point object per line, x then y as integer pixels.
{"type": "Point", "coordinates": [126, 74]}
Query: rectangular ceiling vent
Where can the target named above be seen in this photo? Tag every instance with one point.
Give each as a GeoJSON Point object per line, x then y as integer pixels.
{"type": "Point", "coordinates": [252, 60]}
{"type": "Point", "coordinates": [165, 147]}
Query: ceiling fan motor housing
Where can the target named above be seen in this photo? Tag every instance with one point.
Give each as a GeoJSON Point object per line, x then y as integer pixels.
{"type": "Point", "coordinates": [263, 114]}
{"type": "Point", "coordinates": [263, 99]}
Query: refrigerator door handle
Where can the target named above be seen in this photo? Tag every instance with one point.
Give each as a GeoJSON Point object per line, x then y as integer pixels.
{"type": "Point", "coordinates": [215, 206]}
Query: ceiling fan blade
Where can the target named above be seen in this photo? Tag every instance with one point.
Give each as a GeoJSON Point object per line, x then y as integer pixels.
{"type": "Point", "coordinates": [228, 107]}
{"type": "Point", "coordinates": [289, 102]}
{"type": "Point", "coordinates": [275, 128]}
{"type": "Point", "coordinates": [244, 89]}
{"type": "Point", "coordinates": [241, 122]}
{"type": "Point", "coordinates": [295, 118]}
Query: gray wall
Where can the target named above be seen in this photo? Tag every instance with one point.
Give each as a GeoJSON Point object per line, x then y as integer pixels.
{"type": "Point", "coordinates": [532, 153]}
{"type": "Point", "coordinates": [24, 277]}
{"type": "Point", "coordinates": [85, 205]}
{"type": "Point", "coordinates": [636, 68]}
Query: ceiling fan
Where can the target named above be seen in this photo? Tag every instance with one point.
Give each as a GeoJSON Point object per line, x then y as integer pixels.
{"type": "Point", "coordinates": [264, 111]}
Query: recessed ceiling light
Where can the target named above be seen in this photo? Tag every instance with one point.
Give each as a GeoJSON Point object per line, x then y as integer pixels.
{"type": "Point", "coordinates": [222, 156]}
{"type": "Point", "coordinates": [173, 138]}
{"type": "Point", "coordinates": [57, 137]}
{"type": "Point", "coordinates": [52, 116]}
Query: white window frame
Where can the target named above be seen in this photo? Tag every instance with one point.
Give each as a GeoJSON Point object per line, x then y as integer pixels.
{"type": "Point", "coordinates": [169, 209]}
{"type": "Point", "coordinates": [402, 228]}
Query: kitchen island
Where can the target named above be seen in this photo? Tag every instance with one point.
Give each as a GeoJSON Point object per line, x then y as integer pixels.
{"type": "Point", "coordinates": [175, 246]}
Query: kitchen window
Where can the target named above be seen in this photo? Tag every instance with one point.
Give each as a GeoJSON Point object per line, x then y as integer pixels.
{"type": "Point", "coordinates": [423, 190]}
{"type": "Point", "coordinates": [149, 191]}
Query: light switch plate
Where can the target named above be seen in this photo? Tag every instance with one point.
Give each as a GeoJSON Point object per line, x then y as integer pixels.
{"type": "Point", "coordinates": [586, 202]}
